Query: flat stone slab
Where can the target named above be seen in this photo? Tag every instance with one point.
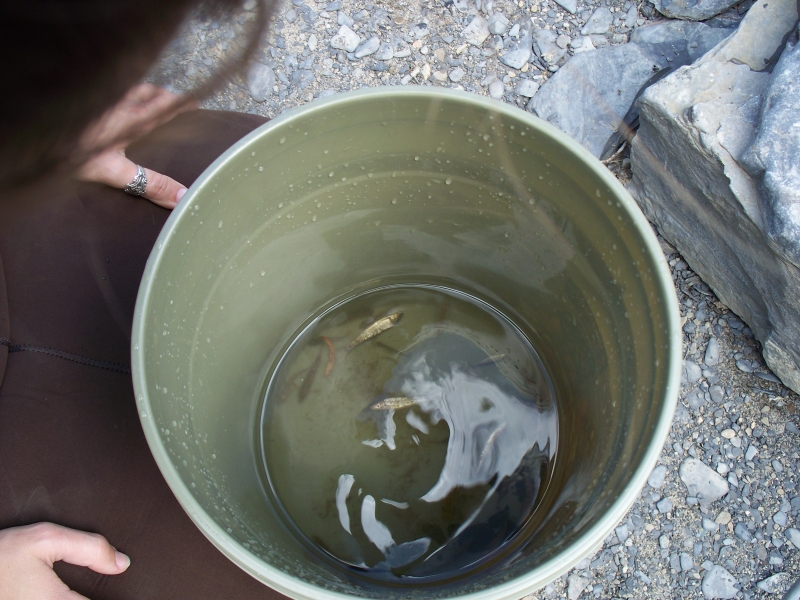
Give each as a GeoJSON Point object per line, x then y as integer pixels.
{"type": "Point", "coordinates": [727, 197]}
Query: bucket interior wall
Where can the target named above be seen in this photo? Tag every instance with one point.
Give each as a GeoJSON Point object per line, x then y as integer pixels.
{"type": "Point", "coordinates": [386, 190]}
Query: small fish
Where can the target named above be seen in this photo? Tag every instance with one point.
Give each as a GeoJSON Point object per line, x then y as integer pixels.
{"type": "Point", "coordinates": [308, 380]}
{"type": "Point", "coordinates": [331, 356]}
{"type": "Point", "coordinates": [488, 444]}
{"type": "Point", "coordinates": [395, 403]}
{"type": "Point", "coordinates": [491, 360]}
{"type": "Point", "coordinates": [376, 328]}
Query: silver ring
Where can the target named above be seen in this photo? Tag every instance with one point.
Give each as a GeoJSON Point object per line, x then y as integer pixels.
{"type": "Point", "coordinates": [139, 183]}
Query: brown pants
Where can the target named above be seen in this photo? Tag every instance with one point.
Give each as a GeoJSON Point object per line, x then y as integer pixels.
{"type": "Point", "coordinates": [71, 447]}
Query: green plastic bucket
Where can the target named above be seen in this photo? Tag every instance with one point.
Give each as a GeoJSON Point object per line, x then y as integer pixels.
{"type": "Point", "coordinates": [405, 185]}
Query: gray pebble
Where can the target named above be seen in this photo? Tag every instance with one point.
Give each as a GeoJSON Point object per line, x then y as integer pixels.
{"type": "Point", "coordinates": [776, 464]}
{"type": "Point", "coordinates": [290, 16]}
{"type": "Point", "coordinates": [582, 43]}
{"type": "Point", "coordinates": [691, 371]}
{"type": "Point", "coordinates": [498, 24]}
{"type": "Point", "coordinates": [367, 47]}
{"type": "Point", "coordinates": [344, 19]}
{"type": "Point", "coordinates": [773, 584]}
{"type": "Point", "coordinates": [519, 52]}
{"type": "Point", "coordinates": [400, 48]}
{"type": "Point", "coordinates": [686, 562]}
{"type": "Point", "coordinates": [546, 46]}
{"type": "Point", "coordinates": [631, 17]}
{"type": "Point", "coordinates": [563, 41]}
{"type": "Point", "coordinates": [780, 518]}
{"type": "Point", "coordinates": [526, 88]}
{"type": "Point", "coordinates": [717, 393]}
{"type": "Point", "coordinates": [476, 32]}
{"type": "Point", "coordinates": [767, 377]}
{"type": "Point", "coordinates": [345, 39]}
{"type": "Point", "coordinates": [456, 74]}
{"type": "Point", "coordinates": [700, 479]}
{"type": "Point", "coordinates": [384, 52]}
{"type": "Point", "coordinates": [712, 352]}
{"type": "Point", "coordinates": [622, 532]}
{"type": "Point", "coordinates": [744, 365]}
{"type": "Point", "coordinates": [664, 506]}
{"type": "Point", "coordinates": [575, 586]}
{"type": "Point", "coordinates": [599, 22]}
{"type": "Point", "coordinates": [719, 583]}
{"type": "Point", "coordinates": [497, 89]}
{"type": "Point", "coordinates": [571, 6]}
{"type": "Point", "coordinates": [751, 453]}
{"type": "Point", "coordinates": [420, 30]}
{"type": "Point", "coordinates": [642, 577]}
{"type": "Point", "coordinates": [742, 533]}
{"type": "Point", "coordinates": [709, 525]}
{"type": "Point", "coordinates": [656, 479]}
{"type": "Point", "coordinates": [260, 81]}
{"type": "Point", "coordinates": [663, 542]}
{"type": "Point", "coordinates": [792, 428]}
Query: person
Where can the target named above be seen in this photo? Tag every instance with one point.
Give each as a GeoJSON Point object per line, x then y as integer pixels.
{"type": "Point", "coordinates": [84, 511]}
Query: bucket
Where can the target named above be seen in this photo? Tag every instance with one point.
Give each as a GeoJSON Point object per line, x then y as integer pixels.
{"type": "Point", "coordinates": [405, 186]}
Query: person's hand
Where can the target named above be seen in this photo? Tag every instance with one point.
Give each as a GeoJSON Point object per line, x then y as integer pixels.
{"type": "Point", "coordinates": [27, 555]}
{"type": "Point", "coordinates": [144, 108]}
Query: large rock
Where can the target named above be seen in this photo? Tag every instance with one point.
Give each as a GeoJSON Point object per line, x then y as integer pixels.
{"type": "Point", "coordinates": [692, 9]}
{"type": "Point", "coordinates": [589, 96]}
{"type": "Point", "coordinates": [715, 168]}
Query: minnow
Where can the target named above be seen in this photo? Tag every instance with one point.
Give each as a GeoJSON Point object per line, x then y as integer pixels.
{"type": "Point", "coordinates": [487, 445]}
{"type": "Point", "coordinates": [331, 355]}
{"type": "Point", "coordinates": [376, 328]}
{"type": "Point", "coordinates": [308, 380]}
{"type": "Point", "coordinates": [395, 403]}
{"type": "Point", "coordinates": [491, 360]}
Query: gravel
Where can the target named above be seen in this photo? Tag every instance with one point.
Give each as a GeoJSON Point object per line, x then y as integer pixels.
{"type": "Point", "coordinates": [311, 52]}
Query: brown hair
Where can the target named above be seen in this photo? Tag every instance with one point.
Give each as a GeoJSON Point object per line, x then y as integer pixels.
{"type": "Point", "coordinates": [65, 62]}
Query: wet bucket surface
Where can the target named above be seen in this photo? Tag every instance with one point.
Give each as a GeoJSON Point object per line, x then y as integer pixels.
{"type": "Point", "coordinates": [405, 186]}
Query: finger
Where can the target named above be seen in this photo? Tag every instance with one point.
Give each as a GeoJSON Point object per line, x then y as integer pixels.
{"type": "Point", "coordinates": [79, 548]}
{"type": "Point", "coordinates": [142, 92]}
{"type": "Point", "coordinates": [115, 169]}
{"type": "Point", "coordinates": [163, 190]}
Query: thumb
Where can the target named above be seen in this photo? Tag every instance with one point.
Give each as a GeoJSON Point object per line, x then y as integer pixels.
{"type": "Point", "coordinates": [80, 548]}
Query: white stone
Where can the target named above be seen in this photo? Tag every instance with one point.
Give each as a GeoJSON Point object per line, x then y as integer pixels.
{"type": "Point", "coordinates": [345, 39]}
{"type": "Point", "coordinates": [497, 89]}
